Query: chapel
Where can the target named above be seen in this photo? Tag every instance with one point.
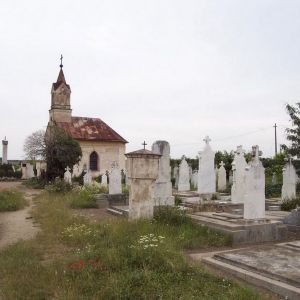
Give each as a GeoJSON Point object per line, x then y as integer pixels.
{"type": "Point", "coordinates": [101, 145]}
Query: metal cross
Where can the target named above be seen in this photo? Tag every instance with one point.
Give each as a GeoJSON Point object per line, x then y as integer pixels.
{"type": "Point", "coordinates": [207, 139]}
{"type": "Point", "coordinates": [144, 144]}
{"type": "Point", "coordinates": [61, 59]}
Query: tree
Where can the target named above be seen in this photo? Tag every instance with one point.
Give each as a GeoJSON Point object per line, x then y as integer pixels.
{"type": "Point", "coordinates": [34, 145]}
{"type": "Point", "coordinates": [293, 134]}
{"type": "Point", "coordinates": [61, 151]}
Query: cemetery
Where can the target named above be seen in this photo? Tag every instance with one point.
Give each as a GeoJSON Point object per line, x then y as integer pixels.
{"type": "Point", "coordinates": [173, 171]}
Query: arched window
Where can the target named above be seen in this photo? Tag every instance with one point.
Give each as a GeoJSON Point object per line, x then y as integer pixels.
{"type": "Point", "coordinates": [94, 161]}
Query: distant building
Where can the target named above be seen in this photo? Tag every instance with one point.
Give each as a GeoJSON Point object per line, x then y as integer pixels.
{"type": "Point", "coordinates": [100, 144]}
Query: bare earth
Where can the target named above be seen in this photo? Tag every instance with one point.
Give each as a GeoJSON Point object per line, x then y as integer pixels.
{"type": "Point", "coordinates": [17, 225]}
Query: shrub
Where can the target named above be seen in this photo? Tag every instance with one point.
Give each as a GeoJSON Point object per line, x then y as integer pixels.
{"type": "Point", "coordinates": [58, 186]}
{"type": "Point", "coordinates": [95, 188]}
{"type": "Point", "coordinates": [288, 205]}
{"type": "Point", "coordinates": [11, 201]}
{"type": "Point", "coordinates": [171, 216]}
{"type": "Point", "coordinates": [83, 199]}
{"type": "Point", "coordinates": [35, 183]}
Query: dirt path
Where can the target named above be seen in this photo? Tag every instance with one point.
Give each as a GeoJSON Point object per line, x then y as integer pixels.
{"type": "Point", "coordinates": [17, 225]}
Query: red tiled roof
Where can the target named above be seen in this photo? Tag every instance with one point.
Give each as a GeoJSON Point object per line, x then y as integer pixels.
{"type": "Point", "coordinates": [90, 129]}
{"type": "Point", "coordinates": [60, 79]}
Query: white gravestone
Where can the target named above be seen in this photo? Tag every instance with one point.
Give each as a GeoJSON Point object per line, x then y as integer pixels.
{"type": "Point", "coordinates": [176, 176]}
{"type": "Point", "coordinates": [76, 170]}
{"type": "Point", "coordinates": [68, 176]}
{"type": "Point", "coordinates": [29, 171]}
{"type": "Point", "coordinates": [239, 165]}
{"type": "Point", "coordinates": [104, 180]}
{"type": "Point", "coordinates": [221, 177]}
{"type": "Point", "coordinates": [274, 178]}
{"type": "Point", "coordinates": [115, 185]}
{"type": "Point", "coordinates": [87, 178]}
{"type": "Point", "coordinates": [206, 172]}
{"type": "Point", "coordinates": [184, 176]}
{"type": "Point", "coordinates": [289, 180]}
{"type": "Point", "coordinates": [254, 200]}
{"type": "Point", "coordinates": [163, 184]}
{"type": "Point", "coordinates": [195, 178]}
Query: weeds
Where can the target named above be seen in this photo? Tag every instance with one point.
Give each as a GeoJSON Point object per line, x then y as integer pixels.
{"type": "Point", "coordinates": [11, 201]}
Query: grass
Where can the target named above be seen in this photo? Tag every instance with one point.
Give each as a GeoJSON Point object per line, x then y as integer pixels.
{"type": "Point", "coordinates": [72, 258]}
{"type": "Point", "coordinates": [11, 201]}
{"type": "Point", "coordinates": [82, 199]}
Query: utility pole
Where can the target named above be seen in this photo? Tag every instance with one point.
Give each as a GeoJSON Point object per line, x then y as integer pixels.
{"type": "Point", "coordinates": [275, 126]}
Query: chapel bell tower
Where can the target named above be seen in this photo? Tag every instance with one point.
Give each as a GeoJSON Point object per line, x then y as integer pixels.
{"type": "Point", "coordinates": [60, 99]}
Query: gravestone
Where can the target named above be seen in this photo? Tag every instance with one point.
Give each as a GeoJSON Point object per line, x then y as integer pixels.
{"type": "Point", "coordinates": [289, 181]}
{"type": "Point", "coordinates": [206, 172]}
{"type": "Point", "coordinates": [274, 178]}
{"type": "Point", "coordinates": [29, 171]}
{"type": "Point", "coordinates": [221, 177]}
{"type": "Point", "coordinates": [239, 165]}
{"type": "Point", "coordinates": [195, 178]}
{"type": "Point", "coordinates": [104, 180]}
{"type": "Point", "coordinates": [143, 168]}
{"type": "Point", "coordinates": [77, 170]}
{"type": "Point", "coordinates": [115, 185]}
{"type": "Point", "coordinates": [176, 176]}
{"type": "Point", "coordinates": [163, 185]}
{"type": "Point", "coordinates": [87, 178]}
{"type": "Point", "coordinates": [254, 199]}
{"type": "Point", "coordinates": [184, 176]}
{"type": "Point", "coordinates": [68, 176]}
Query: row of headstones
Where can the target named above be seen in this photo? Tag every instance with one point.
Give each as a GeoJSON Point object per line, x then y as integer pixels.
{"type": "Point", "coordinates": [115, 179]}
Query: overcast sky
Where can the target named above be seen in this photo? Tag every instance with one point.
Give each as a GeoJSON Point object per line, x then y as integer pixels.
{"type": "Point", "coordinates": [160, 69]}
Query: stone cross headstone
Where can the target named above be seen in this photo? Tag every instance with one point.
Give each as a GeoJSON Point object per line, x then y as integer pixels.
{"type": "Point", "coordinates": [87, 178]}
{"type": "Point", "coordinates": [289, 181]}
{"type": "Point", "coordinates": [239, 165]}
{"type": "Point", "coordinates": [68, 176]}
{"type": "Point", "coordinates": [254, 199]}
{"type": "Point", "coordinates": [163, 184]}
{"type": "Point", "coordinates": [184, 176]}
{"type": "Point", "coordinates": [115, 185]}
{"type": "Point", "coordinates": [221, 177]}
{"type": "Point", "coordinates": [104, 180]}
{"type": "Point", "coordinates": [206, 172]}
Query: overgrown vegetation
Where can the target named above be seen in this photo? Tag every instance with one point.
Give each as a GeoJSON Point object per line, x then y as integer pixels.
{"type": "Point", "coordinates": [11, 201]}
{"type": "Point", "coordinates": [81, 199]}
{"type": "Point", "coordinates": [116, 259]}
{"type": "Point", "coordinates": [273, 190]}
{"type": "Point", "coordinates": [7, 171]}
{"type": "Point", "coordinates": [288, 205]}
{"type": "Point", "coordinates": [35, 183]}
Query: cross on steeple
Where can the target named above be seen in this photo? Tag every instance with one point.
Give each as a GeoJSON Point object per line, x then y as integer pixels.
{"type": "Point", "coordinates": [207, 139]}
{"type": "Point", "coordinates": [144, 144]}
{"type": "Point", "coordinates": [61, 59]}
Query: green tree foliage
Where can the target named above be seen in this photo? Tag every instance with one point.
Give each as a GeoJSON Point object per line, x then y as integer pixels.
{"type": "Point", "coordinates": [61, 151]}
{"type": "Point", "coordinates": [293, 134]}
{"type": "Point", "coordinates": [226, 157]}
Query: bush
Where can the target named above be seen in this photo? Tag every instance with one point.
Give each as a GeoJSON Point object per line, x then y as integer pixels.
{"type": "Point", "coordinates": [7, 171]}
{"type": "Point", "coordinates": [95, 188]}
{"type": "Point", "coordinates": [11, 201]}
{"type": "Point", "coordinates": [288, 205]}
{"type": "Point", "coordinates": [59, 186]}
{"type": "Point", "coordinates": [35, 183]}
{"type": "Point", "coordinates": [83, 199]}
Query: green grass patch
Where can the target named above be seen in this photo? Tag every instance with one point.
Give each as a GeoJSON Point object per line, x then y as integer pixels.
{"type": "Point", "coordinates": [11, 201]}
{"type": "Point", "coordinates": [72, 258]}
{"type": "Point", "coordinates": [81, 199]}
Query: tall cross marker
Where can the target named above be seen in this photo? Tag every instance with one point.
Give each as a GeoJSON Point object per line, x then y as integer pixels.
{"type": "Point", "coordinates": [61, 59]}
{"type": "Point", "coordinates": [207, 139]}
{"type": "Point", "coordinates": [144, 144]}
